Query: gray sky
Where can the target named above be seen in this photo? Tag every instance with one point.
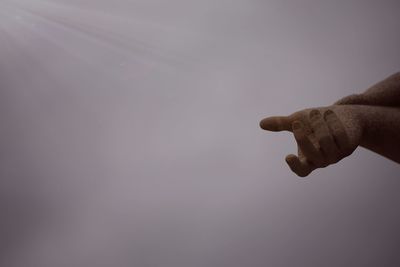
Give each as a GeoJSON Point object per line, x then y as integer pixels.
{"type": "Point", "coordinates": [129, 133]}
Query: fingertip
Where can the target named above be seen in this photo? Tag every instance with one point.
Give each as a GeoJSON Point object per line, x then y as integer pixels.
{"type": "Point", "coordinates": [291, 159]}
{"type": "Point", "coordinates": [293, 162]}
{"type": "Point", "coordinates": [269, 124]}
{"type": "Point", "coordinates": [262, 124]}
{"type": "Point", "coordinates": [275, 124]}
{"type": "Point", "coordinates": [297, 166]}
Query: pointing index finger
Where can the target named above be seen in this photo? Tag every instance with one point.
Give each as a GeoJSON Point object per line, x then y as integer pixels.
{"type": "Point", "coordinates": [277, 123]}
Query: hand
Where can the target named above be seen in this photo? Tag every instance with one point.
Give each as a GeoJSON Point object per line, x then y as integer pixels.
{"type": "Point", "coordinates": [324, 135]}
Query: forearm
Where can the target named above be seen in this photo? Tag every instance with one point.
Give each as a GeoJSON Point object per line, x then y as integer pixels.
{"type": "Point", "coordinates": [385, 93]}
{"type": "Point", "coordinates": [381, 130]}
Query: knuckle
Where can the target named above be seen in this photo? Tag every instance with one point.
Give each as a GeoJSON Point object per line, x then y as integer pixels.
{"type": "Point", "coordinates": [314, 114]}
{"type": "Point", "coordinates": [329, 114]}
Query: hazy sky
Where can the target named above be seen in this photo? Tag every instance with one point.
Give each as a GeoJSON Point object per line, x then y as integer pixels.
{"type": "Point", "coordinates": [129, 133]}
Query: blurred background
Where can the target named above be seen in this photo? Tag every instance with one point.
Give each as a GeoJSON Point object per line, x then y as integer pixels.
{"type": "Point", "coordinates": [129, 133]}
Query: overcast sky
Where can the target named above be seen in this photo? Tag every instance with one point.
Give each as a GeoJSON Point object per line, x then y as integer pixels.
{"type": "Point", "coordinates": [129, 133]}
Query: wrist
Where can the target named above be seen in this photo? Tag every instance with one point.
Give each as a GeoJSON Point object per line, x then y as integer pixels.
{"type": "Point", "coordinates": [361, 116]}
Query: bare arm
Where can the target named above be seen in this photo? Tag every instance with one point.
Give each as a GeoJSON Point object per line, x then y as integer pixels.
{"type": "Point", "coordinates": [381, 130]}
{"type": "Point", "coordinates": [384, 93]}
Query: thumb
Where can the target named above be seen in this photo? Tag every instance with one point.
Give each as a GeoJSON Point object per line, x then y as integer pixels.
{"type": "Point", "coordinates": [277, 124]}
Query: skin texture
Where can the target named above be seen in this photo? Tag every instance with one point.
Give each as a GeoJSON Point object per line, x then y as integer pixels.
{"type": "Point", "coordinates": [326, 135]}
{"type": "Point", "coordinates": [385, 93]}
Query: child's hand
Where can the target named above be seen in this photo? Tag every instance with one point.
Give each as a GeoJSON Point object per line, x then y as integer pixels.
{"type": "Point", "coordinates": [324, 135]}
